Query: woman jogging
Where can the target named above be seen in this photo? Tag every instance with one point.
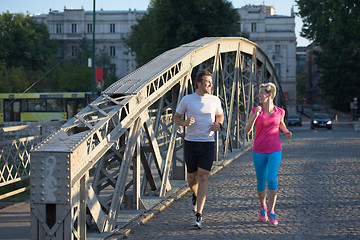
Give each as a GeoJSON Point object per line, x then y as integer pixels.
{"type": "Point", "coordinates": [267, 148]}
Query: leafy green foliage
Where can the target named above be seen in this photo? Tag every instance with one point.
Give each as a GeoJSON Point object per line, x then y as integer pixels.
{"type": "Point", "coordinates": [170, 23]}
{"type": "Point", "coordinates": [24, 42]}
{"type": "Point", "coordinates": [73, 76]}
{"type": "Point", "coordinates": [26, 51]}
{"type": "Point", "coordinates": [335, 26]}
{"type": "Point", "coordinates": [300, 84]}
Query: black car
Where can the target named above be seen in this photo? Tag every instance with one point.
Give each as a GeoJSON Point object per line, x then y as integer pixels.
{"type": "Point", "coordinates": [294, 120]}
{"type": "Point", "coordinates": [321, 120]}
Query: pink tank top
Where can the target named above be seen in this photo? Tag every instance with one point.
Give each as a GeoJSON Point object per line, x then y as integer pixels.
{"type": "Point", "coordinates": [267, 139]}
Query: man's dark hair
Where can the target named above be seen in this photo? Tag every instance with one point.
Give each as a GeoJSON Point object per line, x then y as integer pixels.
{"type": "Point", "coordinates": [200, 76]}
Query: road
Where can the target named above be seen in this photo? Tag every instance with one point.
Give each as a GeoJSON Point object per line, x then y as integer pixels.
{"type": "Point", "coordinates": [319, 194]}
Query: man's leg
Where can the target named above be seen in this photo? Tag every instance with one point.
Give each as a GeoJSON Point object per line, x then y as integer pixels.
{"type": "Point", "coordinates": [191, 169]}
{"type": "Point", "coordinates": [192, 182]}
{"type": "Point", "coordinates": [202, 188]}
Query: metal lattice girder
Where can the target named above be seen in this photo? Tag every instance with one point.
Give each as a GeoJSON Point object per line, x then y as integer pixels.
{"type": "Point", "coordinates": [130, 125]}
{"type": "Point", "coordinates": [15, 153]}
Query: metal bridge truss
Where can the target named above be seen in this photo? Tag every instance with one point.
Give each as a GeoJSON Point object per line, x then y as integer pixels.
{"type": "Point", "coordinates": [15, 145]}
{"type": "Point", "coordinates": [124, 147]}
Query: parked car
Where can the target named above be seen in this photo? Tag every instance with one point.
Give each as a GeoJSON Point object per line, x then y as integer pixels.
{"type": "Point", "coordinates": [321, 120]}
{"type": "Point", "coordinates": [294, 120]}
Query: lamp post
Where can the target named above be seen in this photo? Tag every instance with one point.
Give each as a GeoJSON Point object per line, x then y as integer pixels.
{"type": "Point", "coordinates": [93, 56]}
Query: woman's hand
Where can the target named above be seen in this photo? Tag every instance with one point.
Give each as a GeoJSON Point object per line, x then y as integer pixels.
{"type": "Point", "coordinates": [288, 134]}
{"type": "Point", "coordinates": [257, 111]}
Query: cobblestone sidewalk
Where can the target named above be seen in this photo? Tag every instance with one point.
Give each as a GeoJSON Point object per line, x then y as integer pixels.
{"type": "Point", "coordinates": [319, 195]}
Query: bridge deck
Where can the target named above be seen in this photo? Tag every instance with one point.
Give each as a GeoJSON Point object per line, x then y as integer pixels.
{"type": "Point", "coordinates": [15, 219]}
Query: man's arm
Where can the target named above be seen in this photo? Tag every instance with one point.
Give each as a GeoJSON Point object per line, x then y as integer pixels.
{"type": "Point", "coordinates": [178, 119]}
{"type": "Point", "coordinates": [219, 121]}
{"type": "Point", "coordinates": [220, 118]}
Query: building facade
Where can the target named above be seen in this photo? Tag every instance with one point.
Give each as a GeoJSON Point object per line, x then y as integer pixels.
{"type": "Point", "coordinates": [275, 34]}
{"type": "Point", "coordinates": [313, 91]}
{"type": "Point", "coordinates": [73, 25]}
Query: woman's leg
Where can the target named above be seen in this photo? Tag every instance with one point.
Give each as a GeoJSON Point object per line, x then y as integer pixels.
{"type": "Point", "coordinates": [262, 197]}
{"type": "Point", "coordinates": [272, 196]}
{"type": "Point", "coordinates": [260, 164]}
{"type": "Point", "coordinates": [273, 167]}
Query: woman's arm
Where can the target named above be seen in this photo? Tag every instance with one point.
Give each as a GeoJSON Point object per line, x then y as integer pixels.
{"type": "Point", "coordinates": [284, 128]}
{"type": "Point", "coordinates": [251, 121]}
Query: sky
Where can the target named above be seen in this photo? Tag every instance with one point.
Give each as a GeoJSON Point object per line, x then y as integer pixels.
{"type": "Point", "coordinates": [282, 7]}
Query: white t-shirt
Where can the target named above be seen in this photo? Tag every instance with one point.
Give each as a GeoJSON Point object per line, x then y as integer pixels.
{"type": "Point", "coordinates": [203, 109]}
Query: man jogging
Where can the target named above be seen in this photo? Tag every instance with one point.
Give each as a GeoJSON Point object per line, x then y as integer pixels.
{"type": "Point", "coordinates": [204, 117]}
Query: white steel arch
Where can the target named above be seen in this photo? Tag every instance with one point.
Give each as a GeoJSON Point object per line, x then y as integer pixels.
{"type": "Point", "coordinates": [124, 146]}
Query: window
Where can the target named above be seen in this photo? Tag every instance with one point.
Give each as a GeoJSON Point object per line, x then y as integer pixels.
{"type": "Point", "coordinates": [73, 28]}
{"type": "Point", "coordinates": [278, 69]}
{"type": "Point", "coordinates": [42, 105]}
{"type": "Point", "coordinates": [112, 68]}
{"type": "Point", "coordinates": [33, 105]}
{"type": "Point", "coordinates": [58, 28]}
{"type": "Point", "coordinates": [59, 52]}
{"type": "Point", "coordinates": [89, 28]}
{"type": "Point", "coordinates": [277, 50]}
{"type": "Point", "coordinates": [253, 27]}
{"type": "Point", "coordinates": [112, 27]}
{"type": "Point", "coordinates": [74, 51]}
{"type": "Point", "coordinates": [54, 105]}
{"type": "Point", "coordinates": [112, 51]}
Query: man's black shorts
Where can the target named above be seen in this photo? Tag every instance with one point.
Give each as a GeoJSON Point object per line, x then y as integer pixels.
{"type": "Point", "coordinates": [199, 154]}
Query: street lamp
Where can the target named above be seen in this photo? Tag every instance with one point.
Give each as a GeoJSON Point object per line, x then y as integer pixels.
{"type": "Point", "coordinates": [93, 56]}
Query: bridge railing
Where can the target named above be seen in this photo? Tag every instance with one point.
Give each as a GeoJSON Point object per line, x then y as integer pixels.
{"type": "Point", "coordinates": [16, 143]}
{"type": "Point", "coordinates": [119, 151]}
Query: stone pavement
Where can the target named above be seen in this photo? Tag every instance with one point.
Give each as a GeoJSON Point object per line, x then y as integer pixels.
{"type": "Point", "coordinates": [319, 195]}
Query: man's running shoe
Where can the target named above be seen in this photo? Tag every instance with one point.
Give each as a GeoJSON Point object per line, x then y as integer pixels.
{"type": "Point", "coordinates": [263, 214]}
{"type": "Point", "coordinates": [273, 220]}
{"type": "Point", "coordinates": [194, 202]}
{"type": "Point", "coordinates": [197, 222]}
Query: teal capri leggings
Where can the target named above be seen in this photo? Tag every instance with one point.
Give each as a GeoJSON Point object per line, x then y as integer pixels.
{"type": "Point", "coordinates": [266, 168]}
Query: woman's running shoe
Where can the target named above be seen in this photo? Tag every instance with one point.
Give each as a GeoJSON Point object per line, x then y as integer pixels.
{"type": "Point", "coordinates": [263, 214]}
{"type": "Point", "coordinates": [273, 220]}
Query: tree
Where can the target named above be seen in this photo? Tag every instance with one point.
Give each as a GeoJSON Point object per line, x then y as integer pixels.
{"type": "Point", "coordinates": [12, 79]}
{"type": "Point", "coordinates": [103, 61]}
{"type": "Point", "coordinates": [170, 23]}
{"type": "Point", "coordinates": [24, 42]}
{"type": "Point", "coordinates": [73, 74]}
{"type": "Point", "coordinates": [26, 51]}
{"type": "Point", "coordinates": [300, 84]}
{"type": "Point", "coordinates": [335, 26]}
